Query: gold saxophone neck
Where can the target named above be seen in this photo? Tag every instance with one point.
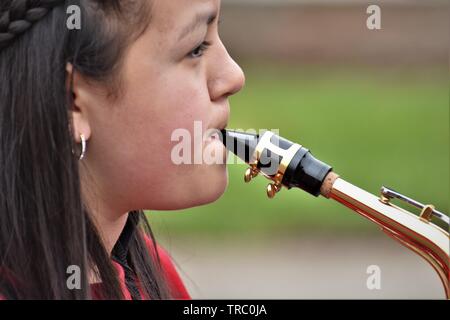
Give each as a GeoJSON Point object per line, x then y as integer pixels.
{"type": "Point", "coordinates": [416, 232]}
{"type": "Point", "coordinates": [290, 165]}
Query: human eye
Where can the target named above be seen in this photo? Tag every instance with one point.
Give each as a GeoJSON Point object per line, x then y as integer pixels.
{"type": "Point", "coordinates": [199, 50]}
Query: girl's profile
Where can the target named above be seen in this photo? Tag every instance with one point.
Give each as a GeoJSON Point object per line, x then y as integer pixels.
{"type": "Point", "coordinates": [86, 117]}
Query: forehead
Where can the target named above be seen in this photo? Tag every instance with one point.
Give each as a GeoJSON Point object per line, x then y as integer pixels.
{"type": "Point", "coordinates": [170, 16]}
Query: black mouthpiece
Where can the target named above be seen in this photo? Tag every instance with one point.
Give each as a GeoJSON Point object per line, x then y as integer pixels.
{"type": "Point", "coordinates": [240, 143]}
{"type": "Point", "coordinates": [303, 171]}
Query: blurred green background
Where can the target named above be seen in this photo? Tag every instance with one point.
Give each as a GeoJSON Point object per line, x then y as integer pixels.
{"type": "Point", "coordinates": [373, 104]}
{"type": "Point", "coordinates": [374, 127]}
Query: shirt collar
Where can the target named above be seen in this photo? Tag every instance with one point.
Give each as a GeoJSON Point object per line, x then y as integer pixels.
{"type": "Point", "coordinates": [120, 255]}
{"type": "Point", "coordinates": [120, 249]}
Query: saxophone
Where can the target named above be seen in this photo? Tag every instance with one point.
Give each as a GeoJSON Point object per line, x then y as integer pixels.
{"type": "Point", "coordinates": [289, 165]}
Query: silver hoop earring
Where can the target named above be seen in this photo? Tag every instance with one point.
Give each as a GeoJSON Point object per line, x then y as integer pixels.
{"type": "Point", "coordinates": [83, 146]}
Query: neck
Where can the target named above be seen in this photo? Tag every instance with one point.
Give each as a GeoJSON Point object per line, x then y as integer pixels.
{"type": "Point", "coordinates": [109, 228]}
{"type": "Point", "coordinates": [108, 220]}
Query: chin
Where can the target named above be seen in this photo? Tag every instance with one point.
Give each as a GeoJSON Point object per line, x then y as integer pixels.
{"type": "Point", "coordinates": [214, 188]}
{"type": "Point", "coordinates": [199, 190]}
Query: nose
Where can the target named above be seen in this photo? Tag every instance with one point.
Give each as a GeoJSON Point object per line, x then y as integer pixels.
{"type": "Point", "coordinates": [227, 77]}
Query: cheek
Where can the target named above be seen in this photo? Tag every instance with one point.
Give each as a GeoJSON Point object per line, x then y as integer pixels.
{"type": "Point", "coordinates": [150, 114]}
{"type": "Point", "coordinates": [154, 114]}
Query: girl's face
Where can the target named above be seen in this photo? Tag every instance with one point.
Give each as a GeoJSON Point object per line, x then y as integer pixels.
{"type": "Point", "coordinates": [171, 78]}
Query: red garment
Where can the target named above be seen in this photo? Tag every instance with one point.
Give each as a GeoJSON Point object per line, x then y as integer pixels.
{"type": "Point", "coordinates": [126, 275]}
{"type": "Point", "coordinates": [176, 285]}
{"type": "Point", "coordinates": [130, 286]}
{"type": "Point", "coordinates": [177, 289]}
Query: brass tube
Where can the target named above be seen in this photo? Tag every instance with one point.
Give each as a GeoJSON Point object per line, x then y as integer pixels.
{"type": "Point", "coordinates": [414, 232]}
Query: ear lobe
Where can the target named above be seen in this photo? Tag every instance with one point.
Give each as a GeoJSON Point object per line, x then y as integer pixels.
{"type": "Point", "coordinates": [78, 110]}
{"type": "Point", "coordinates": [80, 126]}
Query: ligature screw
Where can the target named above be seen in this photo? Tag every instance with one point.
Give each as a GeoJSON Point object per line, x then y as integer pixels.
{"type": "Point", "coordinates": [250, 173]}
{"type": "Point", "coordinates": [272, 189]}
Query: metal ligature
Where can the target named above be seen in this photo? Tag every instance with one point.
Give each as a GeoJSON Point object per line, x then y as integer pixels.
{"type": "Point", "coordinates": [290, 165]}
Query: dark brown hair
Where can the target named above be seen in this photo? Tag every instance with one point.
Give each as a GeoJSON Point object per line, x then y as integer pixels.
{"type": "Point", "coordinates": [44, 223]}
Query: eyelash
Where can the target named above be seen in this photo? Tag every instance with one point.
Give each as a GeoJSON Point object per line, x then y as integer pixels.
{"type": "Point", "coordinates": [200, 50]}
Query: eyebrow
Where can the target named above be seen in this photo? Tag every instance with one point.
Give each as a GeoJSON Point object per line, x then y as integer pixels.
{"type": "Point", "coordinates": [200, 19]}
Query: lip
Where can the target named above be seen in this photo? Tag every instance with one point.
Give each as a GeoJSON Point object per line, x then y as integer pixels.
{"type": "Point", "coordinates": [215, 134]}
{"type": "Point", "coordinates": [222, 123]}
{"type": "Point", "coordinates": [215, 140]}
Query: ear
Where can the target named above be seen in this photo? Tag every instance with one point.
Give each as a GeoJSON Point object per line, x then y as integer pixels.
{"type": "Point", "coordinates": [79, 108]}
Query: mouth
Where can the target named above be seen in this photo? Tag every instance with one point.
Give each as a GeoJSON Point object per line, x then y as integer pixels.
{"type": "Point", "coordinates": [218, 131]}
{"type": "Point", "coordinates": [214, 136]}
{"type": "Point", "coordinates": [216, 139]}
{"type": "Point", "coordinates": [217, 147]}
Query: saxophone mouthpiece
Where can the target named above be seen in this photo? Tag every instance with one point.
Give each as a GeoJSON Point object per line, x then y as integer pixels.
{"type": "Point", "coordinates": [241, 144]}
{"type": "Point", "coordinates": [288, 164]}
{"type": "Point", "coordinates": [284, 162]}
